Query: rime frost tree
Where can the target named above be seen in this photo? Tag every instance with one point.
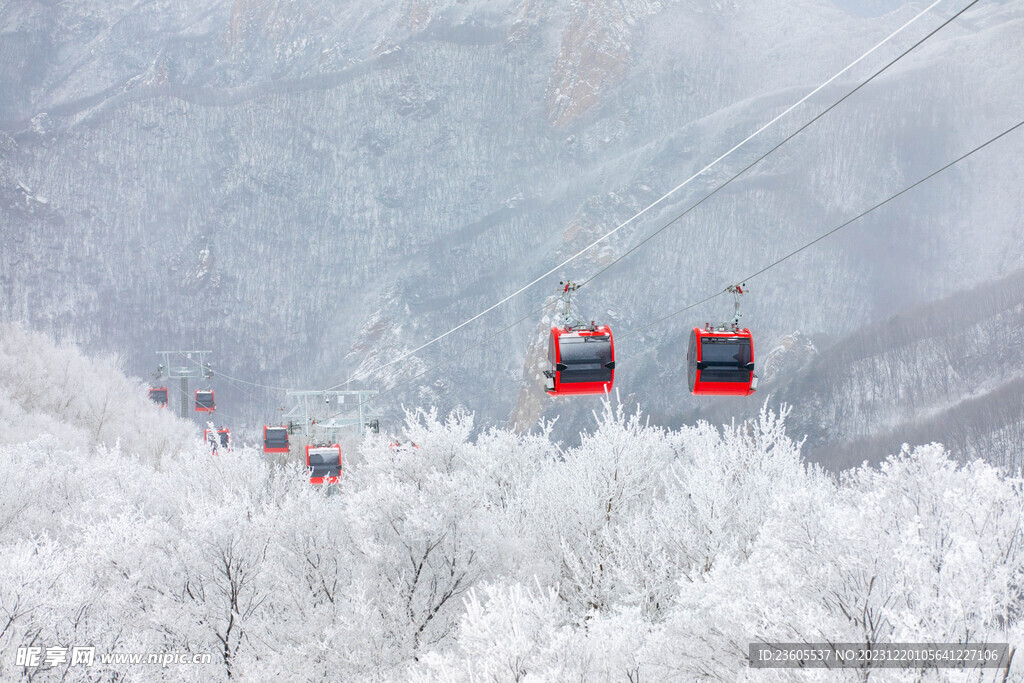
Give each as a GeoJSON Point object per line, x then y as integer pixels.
{"type": "Point", "coordinates": [642, 553]}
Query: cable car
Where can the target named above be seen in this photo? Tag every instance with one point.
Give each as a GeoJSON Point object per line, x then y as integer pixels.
{"type": "Point", "coordinates": [275, 439]}
{"type": "Point", "coordinates": [204, 401]}
{"type": "Point", "coordinates": [581, 357]}
{"type": "Point", "coordinates": [158, 395]}
{"type": "Point", "coordinates": [222, 437]}
{"type": "Point", "coordinates": [582, 361]}
{"type": "Point", "coordinates": [324, 463]}
{"type": "Point", "coordinates": [720, 360]}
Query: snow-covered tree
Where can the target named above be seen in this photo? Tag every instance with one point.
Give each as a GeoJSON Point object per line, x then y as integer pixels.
{"type": "Point", "coordinates": [641, 553]}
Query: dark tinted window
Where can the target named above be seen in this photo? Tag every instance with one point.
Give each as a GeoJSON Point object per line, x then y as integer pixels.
{"type": "Point", "coordinates": [224, 437]}
{"type": "Point", "coordinates": [723, 374]}
{"type": "Point", "coordinates": [718, 351]}
{"type": "Point", "coordinates": [324, 471]}
{"type": "Point", "coordinates": [725, 359]}
{"type": "Point", "coordinates": [276, 438]}
{"type": "Point", "coordinates": [204, 399]}
{"type": "Point", "coordinates": [324, 462]}
{"type": "Point", "coordinates": [158, 395]}
{"type": "Point", "coordinates": [585, 358]}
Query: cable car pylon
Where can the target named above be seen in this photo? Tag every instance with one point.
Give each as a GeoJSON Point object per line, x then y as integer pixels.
{"type": "Point", "coordinates": [309, 419]}
{"type": "Point", "coordinates": [199, 368]}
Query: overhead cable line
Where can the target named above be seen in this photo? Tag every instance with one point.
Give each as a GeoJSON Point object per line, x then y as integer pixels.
{"type": "Point", "coordinates": [714, 295]}
{"type": "Point", "coordinates": [242, 381]}
{"type": "Point", "coordinates": [454, 357]}
{"type": "Point", "coordinates": [238, 387]}
{"type": "Point", "coordinates": [359, 375]}
{"type": "Point", "coordinates": [370, 371]}
{"type": "Point", "coordinates": [832, 231]}
{"type": "Point", "coordinates": [731, 179]}
{"type": "Point", "coordinates": [254, 384]}
{"type": "Point", "coordinates": [780, 144]}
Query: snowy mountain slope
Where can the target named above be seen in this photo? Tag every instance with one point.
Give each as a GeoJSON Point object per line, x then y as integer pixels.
{"type": "Point", "coordinates": [985, 425]}
{"type": "Point", "coordinates": [414, 162]}
{"type": "Point", "coordinates": [948, 371]}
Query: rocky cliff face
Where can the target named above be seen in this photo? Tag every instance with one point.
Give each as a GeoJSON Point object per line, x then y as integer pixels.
{"type": "Point", "coordinates": [594, 54]}
{"type": "Point", "coordinates": [309, 189]}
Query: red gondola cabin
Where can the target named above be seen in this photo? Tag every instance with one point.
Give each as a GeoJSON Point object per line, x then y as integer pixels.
{"type": "Point", "coordinates": [582, 360]}
{"type": "Point", "coordinates": [324, 463]}
{"type": "Point", "coordinates": [275, 439]}
{"type": "Point", "coordinates": [205, 402]}
{"type": "Point", "coordinates": [222, 438]}
{"type": "Point", "coordinates": [721, 362]}
{"type": "Point", "coordinates": [158, 395]}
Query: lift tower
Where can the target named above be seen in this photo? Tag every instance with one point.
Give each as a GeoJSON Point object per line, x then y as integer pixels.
{"type": "Point", "coordinates": [308, 405]}
{"type": "Point", "coordinates": [196, 367]}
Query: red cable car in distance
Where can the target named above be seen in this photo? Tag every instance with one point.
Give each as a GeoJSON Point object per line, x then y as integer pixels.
{"type": "Point", "coordinates": [720, 360]}
{"type": "Point", "coordinates": [581, 357]}
{"type": "Point", "coordinates": [324, 464]}
{"type": "Point", "coordinates": [275, 439]}
{"type": "Point", "coordinates": [158, 395]}
{"type": "Point", "coordinates": [204, 401]}
{"type": "Point", "coordinates": [221, 436]}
